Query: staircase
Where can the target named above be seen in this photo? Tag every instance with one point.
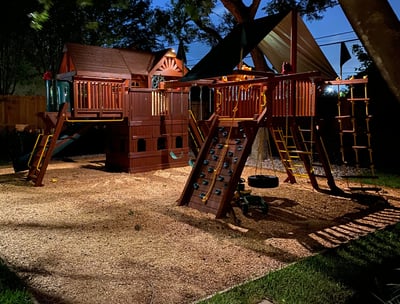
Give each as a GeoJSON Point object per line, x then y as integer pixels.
{"type": "Point", "coordinates": [216, 173]}
{"type": "Point", "coordinates": [44, 146]}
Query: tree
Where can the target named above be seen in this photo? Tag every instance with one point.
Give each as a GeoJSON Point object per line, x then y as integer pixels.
{"type": "Point", "coordinates": [118, 23]}
{"type": "Point", "coordinates": [15, 43]}
{"type": "Point", "coordinates": [128, 24]}
{"type": "Point", "coordinates": [378, 28]}
{"type": "Point", "coordinates": [198, 12]}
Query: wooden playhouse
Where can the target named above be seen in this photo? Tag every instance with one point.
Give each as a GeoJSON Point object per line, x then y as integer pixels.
{"type": "Point", "coordinates": [147, 125]}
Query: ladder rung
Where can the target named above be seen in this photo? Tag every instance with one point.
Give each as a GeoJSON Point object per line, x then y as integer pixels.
{"type": "Point", "coordinates": [347, 131]}
{"type": "Point", "coordinates": [358, 99]}
{"type": "Point", "coordinates": [360, 147]}
{"type": "Point", "coordinates": [343, 116]}
{"type": "Point", "coordinates": [301, 152]}
{"type": "Point", "coordinates": [300, 175]}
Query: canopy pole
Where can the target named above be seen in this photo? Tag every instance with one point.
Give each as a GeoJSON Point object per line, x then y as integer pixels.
{"type": "Point", "coordinates": [293, 42]}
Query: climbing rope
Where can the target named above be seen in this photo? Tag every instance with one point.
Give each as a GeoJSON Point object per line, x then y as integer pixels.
{"type": "Point", "coordinates": [219, 166]}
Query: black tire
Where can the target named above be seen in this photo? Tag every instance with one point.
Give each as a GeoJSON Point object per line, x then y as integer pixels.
{"type": "Point", "coordinates": [263, 181]}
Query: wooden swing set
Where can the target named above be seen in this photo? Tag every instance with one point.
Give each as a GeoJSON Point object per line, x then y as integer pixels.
{"type": "Point", "coordinates": [278, 103]}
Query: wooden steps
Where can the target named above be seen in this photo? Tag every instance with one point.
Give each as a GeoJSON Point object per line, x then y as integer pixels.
{"type": "Point", "coordinates": [44, 147]}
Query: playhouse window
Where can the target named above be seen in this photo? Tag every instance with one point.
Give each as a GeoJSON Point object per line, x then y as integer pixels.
{"type": "Point", "coordinates": [161, 143]}
{"type": "Point", "coordinates": [141, 145]}
{"type": "Point", "coordinates": [178, 142]}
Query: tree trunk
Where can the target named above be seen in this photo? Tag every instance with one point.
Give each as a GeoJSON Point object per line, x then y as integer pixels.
{"type": "Point", "coordinates": [378, 28]}
{"type": "Point", "coordinates": [243, 13]}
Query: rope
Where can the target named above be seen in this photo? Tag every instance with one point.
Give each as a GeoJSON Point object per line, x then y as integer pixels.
{"type": "Point", "coordinates": [261, 150]}
{"type": "Point", "coordinates": [218, 169]}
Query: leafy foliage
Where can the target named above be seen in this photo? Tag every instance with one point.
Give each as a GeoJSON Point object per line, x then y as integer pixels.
{"type": "Point", "coordinates": [33, 41]}
{"type": "Point", "coordinates": [15, 42]}
{"type": "Point", "coordinates": [312, 9]}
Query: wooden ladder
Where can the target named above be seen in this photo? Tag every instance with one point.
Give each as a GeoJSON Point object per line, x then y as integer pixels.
{"type": "Point", "coordinates": [288, 153]}
{"type": "Point", "coordinates": [355, 132]}
{"type": "Point", "coordinates": [299, 153]}
{"type": "Point", "coordinates": [44, 146]}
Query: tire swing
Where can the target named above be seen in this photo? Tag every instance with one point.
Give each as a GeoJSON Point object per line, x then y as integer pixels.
{"type": "Point", "coordinates": [261, 180]}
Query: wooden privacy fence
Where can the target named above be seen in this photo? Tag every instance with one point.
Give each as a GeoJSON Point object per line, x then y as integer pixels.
{"type": "Point", "coordinates": [22, 110]}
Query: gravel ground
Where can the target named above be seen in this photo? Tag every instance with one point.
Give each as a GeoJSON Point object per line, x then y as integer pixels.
{"type": "Point", "coordinates": [91, 236]}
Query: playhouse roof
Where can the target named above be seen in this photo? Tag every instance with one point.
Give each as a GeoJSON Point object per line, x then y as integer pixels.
{"type": "Point", "coordinates": [95, 61]}
{"type": "Point", "coordinates": [271, 35]}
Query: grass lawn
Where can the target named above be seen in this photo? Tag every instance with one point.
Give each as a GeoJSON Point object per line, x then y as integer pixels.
{"type": "Point", "coordinates": [12, 289]}
{"type": "Point", "coordinates": [366, 270]}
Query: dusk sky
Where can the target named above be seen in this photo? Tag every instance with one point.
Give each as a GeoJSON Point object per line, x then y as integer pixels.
{"type": "Point", "coordinates": [333, 24]}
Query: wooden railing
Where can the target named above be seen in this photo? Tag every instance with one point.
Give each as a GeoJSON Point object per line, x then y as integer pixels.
{"type": "Point", "coordinates": [99, 99]}
{"type": "Point", "coordinates": [288, 96]}
{"type": "Point", "coordinates": [142, 103]}
{"type": "Point", "coordinates": [293, 98]}
{"type": "Point", "coordinates": [245, 98]}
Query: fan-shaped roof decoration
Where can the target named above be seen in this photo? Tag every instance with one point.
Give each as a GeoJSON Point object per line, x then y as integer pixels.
{"type": "Point", "coordinates": [101, 62]}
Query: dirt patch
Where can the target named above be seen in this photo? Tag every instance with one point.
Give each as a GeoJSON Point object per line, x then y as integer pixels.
{"type": "Point", "coordinates": [90, 236]}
